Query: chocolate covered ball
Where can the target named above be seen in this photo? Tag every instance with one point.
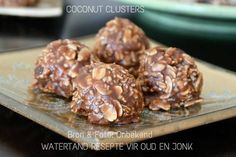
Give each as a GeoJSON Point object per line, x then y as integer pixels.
{"type": "Point", "coordinates": [121, 42]}
{"type": "Point", "coordinates": [107, 94]}
{"type": "Point", "coordinates": [60, 61]}
{"type": "Point", "coordinates": [18, 3]}
{"type": "Point", "coordinates": [170, 79]}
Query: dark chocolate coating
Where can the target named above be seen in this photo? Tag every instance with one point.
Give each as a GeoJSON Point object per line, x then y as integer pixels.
{"type": "Point", "coordinates": [59, 63]}
{"type": "Point", "coordinates": [18, 3]}
{"type": "Point", "coordinates": [107, 94]}
{"type": "Point", "coordinates": [171, 77]}
{"type": "Point", "coordinates": [121, 42]}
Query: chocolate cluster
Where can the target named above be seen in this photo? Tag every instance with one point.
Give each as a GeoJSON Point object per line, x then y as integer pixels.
{"type": "Point", "coordinates": [61, 60]}
{"type": "Point", "coordinates": [107, 94]}
{"type": "Point", "coordinates": [170, 78]}
{"type": "Point", "coordinates": [18, 3]}
{"type": "Point", "coordinates": [121, 42]}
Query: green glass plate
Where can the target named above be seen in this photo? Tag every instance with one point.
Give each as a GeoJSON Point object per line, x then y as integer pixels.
{"type": "Point", "coordinates": [190, 9]}
{"type": "Point", "coordinates": [189, 26]}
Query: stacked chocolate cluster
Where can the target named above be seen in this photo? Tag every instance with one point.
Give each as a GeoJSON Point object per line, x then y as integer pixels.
{"type": "Point", "coordinates": [113, 89]}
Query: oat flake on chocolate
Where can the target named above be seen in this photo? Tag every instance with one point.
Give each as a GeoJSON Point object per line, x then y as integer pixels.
{"type": "Point", "coordinates": [59, 63]}
{"type": "Point", "coordinates": [121, 42]}
{"type": "Point", "coordinates": [170, 79]}
{"type": "Point", "coordinates": [107, 94]}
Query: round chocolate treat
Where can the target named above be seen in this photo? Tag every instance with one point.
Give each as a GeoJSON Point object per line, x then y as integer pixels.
{"type": "Point", "coordinates": [107, 94]}
{"type": "Point", "coordinates": [59, 63]}
{"type": "Point", "coordinates": [18, 3]}
{"type": "Point", "coordinates": [170, 79]}
{"type": "Point", "coordinates": [121, 42]}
